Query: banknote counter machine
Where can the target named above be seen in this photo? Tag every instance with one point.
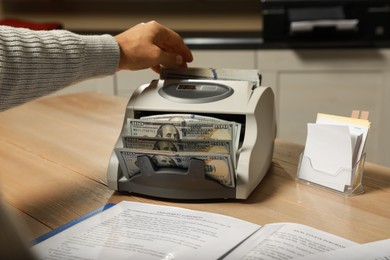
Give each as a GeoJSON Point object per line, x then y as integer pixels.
{"type": "Point", "coordinates": [245, 102]}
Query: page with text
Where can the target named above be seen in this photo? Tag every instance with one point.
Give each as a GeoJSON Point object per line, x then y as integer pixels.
{"type": "Point", "coordinates": [280, 241]}
{"type": "Point", "coordinates": [131, 230]}
{"type": "Point", "coordinates": [379, 250]}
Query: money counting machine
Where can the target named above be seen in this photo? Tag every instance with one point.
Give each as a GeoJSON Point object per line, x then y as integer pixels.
{"type": "Point", "coordinates": [228, 95]}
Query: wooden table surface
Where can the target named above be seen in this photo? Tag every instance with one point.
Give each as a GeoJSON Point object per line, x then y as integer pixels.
{"type": "Point", "coordinates": [53, 160]}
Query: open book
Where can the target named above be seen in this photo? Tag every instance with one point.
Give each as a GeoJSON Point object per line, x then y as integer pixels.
{"type": "Point", "coordinates": [131, 230]}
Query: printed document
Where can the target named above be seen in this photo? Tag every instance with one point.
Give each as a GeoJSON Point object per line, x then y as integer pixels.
{"type": "Point", "coordinates": [131, 230]}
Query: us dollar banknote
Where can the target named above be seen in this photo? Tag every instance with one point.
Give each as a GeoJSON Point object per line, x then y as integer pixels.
{"type": "Point", "coordinates": [217, 166]}
{"type": "Point", "coordinates": [187, 117]}
{"type": "Point", "coordinates": [183, 117]}
{"type": "Point", "coordinates": [173, 145]}
{"type": "Point", "coordinates": [181, 130]}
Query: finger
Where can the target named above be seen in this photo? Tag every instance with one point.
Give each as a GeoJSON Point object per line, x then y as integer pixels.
{"type": "Point", "coordinates": [174, 43]}
{"type": "Point", "coordinates": [178, 47]}
{"type": "Point", "coordinates": [156, 68]}
{"type": "Point", "coordinates": [179, 63]}
{"type": "Point", "coordinates": [170, 60]}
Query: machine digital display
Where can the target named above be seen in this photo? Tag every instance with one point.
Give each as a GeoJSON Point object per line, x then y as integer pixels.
{"type": "Point", "coordinates": [186, 87]}
{"type": "Point", "coordinates": [195, 91]}
{"type": "Point", "coordinates": [197, 87]}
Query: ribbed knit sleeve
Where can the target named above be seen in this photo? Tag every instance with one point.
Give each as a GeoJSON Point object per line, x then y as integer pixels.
{"type": "Point", "coordinates": [36, 63]}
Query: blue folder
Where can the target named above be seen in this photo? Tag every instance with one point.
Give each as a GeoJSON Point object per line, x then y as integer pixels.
{"type": "Point", "coordinates": [71, 223]}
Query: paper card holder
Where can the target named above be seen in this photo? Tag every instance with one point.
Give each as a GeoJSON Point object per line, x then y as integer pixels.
{"type": "Point", "coordinates": [334, 154]}
{"type": "Point", "coordinates": [307, 174]}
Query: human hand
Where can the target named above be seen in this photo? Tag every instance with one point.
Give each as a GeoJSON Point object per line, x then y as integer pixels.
{"type": "Point", "coordinates": [151, 45]}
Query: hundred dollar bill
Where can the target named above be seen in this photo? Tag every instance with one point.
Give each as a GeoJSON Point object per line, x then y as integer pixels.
{"type": "Point", "coordinates": [188, 145]}
{"type": "Point", "coordinates": [180, 130]}
{"type": "Point", "coordinates": [217, 166]}
{"type": "Point", "coordinates": [183, 117]}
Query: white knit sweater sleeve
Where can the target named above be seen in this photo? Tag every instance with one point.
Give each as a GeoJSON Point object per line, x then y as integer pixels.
{"type": "Point", "coordinates": [35, 63]}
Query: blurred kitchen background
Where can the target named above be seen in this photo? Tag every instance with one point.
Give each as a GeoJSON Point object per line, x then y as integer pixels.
{"type": "Point", "coordinates": [117, 15]}
{"type": "Point", "coordinates": [319, 56]}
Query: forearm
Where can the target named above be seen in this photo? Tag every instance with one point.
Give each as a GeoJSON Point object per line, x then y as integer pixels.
{"type": "Point", "coordinates": [35, 63]}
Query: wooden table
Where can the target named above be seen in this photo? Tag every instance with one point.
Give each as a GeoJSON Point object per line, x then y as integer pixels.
{"type": "Point", "coordinates": [54, 154]}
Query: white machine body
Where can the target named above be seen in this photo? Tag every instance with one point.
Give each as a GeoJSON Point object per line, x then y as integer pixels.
{"type": "Point", "coordinates": [253, 106]}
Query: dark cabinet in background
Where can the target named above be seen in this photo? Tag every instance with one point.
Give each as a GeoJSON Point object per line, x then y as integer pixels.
{"type": "Point", "coordinates": [320, 22]}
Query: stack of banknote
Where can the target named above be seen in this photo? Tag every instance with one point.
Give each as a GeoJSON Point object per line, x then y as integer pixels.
{"type": "Point", "coordinates": [173, 140]}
